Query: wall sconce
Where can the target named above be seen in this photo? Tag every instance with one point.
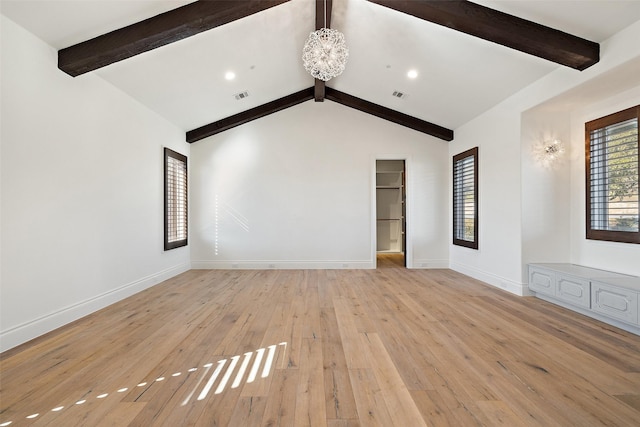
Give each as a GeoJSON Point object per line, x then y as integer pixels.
{"type": "Point", "coordinates": [548, 152]}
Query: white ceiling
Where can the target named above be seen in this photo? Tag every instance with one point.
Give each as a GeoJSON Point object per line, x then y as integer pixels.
{"type": "Point", "coordinates": [459, 76]}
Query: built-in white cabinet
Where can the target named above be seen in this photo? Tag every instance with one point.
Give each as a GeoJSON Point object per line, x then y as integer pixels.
{"type": "Point", "coordinates": [390, 207]}
{"type": "Point", "coordinates": [574, 290]}
{"type": "Point", "coordinates": [542, 280]}
{"type": "Point", "coordinates": [605, 295]}
{"type": "Point", "coordinates": [617, 298]}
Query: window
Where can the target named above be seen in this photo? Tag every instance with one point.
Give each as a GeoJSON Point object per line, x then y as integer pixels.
{"type": "Point", "coordinates": [611, 151]}
{"type": "Point", "coordinates": [465, 199]}
{"type": "Point", "coordinates": [175, 200]}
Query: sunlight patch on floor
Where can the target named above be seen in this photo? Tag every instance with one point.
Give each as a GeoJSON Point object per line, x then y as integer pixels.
{"type": "Point", "coordinates": [221, 386]}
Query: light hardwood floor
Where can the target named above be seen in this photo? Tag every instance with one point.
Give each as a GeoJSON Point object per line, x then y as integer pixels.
{"type": "Point", "coordinates": [387, 347]}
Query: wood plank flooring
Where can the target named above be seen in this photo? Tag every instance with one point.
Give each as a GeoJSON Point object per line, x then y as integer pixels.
{"type": "Point", "coordinates": [385, 347]}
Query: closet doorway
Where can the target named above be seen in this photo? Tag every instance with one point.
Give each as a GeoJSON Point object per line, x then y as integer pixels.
{"type": "Point", "coordinates": [391, 242]}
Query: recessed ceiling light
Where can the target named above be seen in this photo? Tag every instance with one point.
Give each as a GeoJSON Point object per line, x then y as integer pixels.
{"type": "Point", "coordinates": [230, 75]}
{"type": "Point", "coordinates": [412, 74]}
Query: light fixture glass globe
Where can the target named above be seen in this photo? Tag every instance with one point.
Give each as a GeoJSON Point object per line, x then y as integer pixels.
{"type": "Point", "coordinates": [325, 54]}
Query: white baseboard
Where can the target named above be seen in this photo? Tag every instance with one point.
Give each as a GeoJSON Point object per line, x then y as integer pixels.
{"type": "Point", "coordinates": [20, 334]}
{"type": "Point", "coordinates": [430, 263]}
{"type": "Point", "coordinates": [520, 289]}
{"type": "Point", "coordinates": [306, 265]}
{"type": "Point", "coordinates": [281, 265]}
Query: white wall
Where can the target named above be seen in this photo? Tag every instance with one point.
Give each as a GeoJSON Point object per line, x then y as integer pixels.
{"type": "Point", "coordinates": [295, 189]}
{"type": "Point", "coordinates": [81, 192]}
{"type": "Point", "coordinates": [497, 259]}
{"type": "Point", "coordinates": [546, 189]}
{"type": "Point", "coordinates": [511, 233]}
{"type": "Point", "coordinates": [81, 188]}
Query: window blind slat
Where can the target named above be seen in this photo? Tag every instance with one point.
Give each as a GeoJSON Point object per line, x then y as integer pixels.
{"type": "Point", "coordinates": [612, 193]}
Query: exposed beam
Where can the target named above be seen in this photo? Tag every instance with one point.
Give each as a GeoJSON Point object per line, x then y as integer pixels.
{"type": "Point", "coordinates": [323, 20]}
{"type": "Point", "coordinates": [154, 32]}
{"type": "Point", "coordinates": [323, 13]}
{"type": "Point", "coordinates": [319, 90]}
{"type": "Point", "coordinates": [249, 115]}
{"type": "Point", "coordinates": [502, 28]}
{"type": "Point", "coordinates": [308, 94]}
{"type": "Point", "coordinates": [389, 114]}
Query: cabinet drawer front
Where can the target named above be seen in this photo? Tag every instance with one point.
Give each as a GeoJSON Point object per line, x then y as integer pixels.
{"type": "Point", "coordinates": [574, 290]}
{"type": "Point", "coordinates": [542, 281]}
{"type": "Point", "coordinates": [621, 304]}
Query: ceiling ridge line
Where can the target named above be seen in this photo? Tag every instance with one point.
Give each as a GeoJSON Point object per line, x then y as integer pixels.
{"type": "Point", "coordinates": [307, 95]}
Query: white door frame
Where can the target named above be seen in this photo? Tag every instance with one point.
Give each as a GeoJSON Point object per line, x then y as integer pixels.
{"type": "Point", "coordinates": [408, 255]}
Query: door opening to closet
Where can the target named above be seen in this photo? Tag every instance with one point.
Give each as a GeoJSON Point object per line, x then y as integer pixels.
{"type": "Point", "coordinates": [390, 213]}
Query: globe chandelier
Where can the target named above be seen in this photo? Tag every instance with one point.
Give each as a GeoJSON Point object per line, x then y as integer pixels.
{"type": "Point", "coordinates": [325, 52]}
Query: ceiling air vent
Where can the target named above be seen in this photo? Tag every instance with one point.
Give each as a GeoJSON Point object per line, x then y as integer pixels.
{"type": "Point", "coordinates": [398, 94]}
{"type": "Point", "coordinates": [241, 95]}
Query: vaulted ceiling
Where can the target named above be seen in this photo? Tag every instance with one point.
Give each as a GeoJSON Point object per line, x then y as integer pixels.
{"type": "Point", "coordinates": [459, 75]}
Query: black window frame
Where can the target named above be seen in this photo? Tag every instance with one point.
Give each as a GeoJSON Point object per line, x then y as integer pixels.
{"type": "Point", "coordinates": [183, 211]}
{"type": "Point", "coordinates": [460, 170]}
{"type": "Point", "coordinates": [591, 187]}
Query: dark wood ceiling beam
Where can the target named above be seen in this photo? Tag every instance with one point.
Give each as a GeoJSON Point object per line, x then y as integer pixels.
{"type": "Point", "coordinates": [249, 115]}
{"type": "Point", "coordinates": [502, 28]}
{"type": "Point", "coordinates": [323, 15]}
{"type": "Point", "coordinates": [389, 114]}
{"type": "Point", "coordinates": [155, 32]}
{"type": "Point", "coordinates": [323, 20]}
{"type": "Point", "coordinates": [308, 94]}
{"type": "Point", "coordinates": [319, 90]}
